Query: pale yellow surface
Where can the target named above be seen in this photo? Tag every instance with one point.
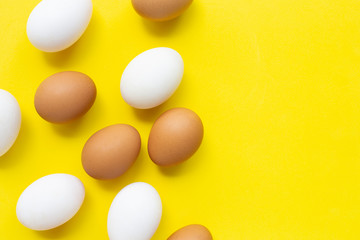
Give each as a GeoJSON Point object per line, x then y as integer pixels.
{"type": "Point", "coordinates": [276, 83]}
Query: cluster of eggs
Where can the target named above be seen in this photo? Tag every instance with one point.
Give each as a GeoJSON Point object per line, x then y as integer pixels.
{"type": "Point", "coordinates": [148, 81]}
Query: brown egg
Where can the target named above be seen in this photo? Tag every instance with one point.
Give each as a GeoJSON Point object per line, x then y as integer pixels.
{"type": "Point", "coordinates": [111, 151]}
{"type": "Point", "coordinates": [65, 96]}
{"type": "Point", "coordinates": [191, 232]}
{"type": "Point", "coordinates": [175, 137]}
{"type": "Point", "coordinates": [160, 10]}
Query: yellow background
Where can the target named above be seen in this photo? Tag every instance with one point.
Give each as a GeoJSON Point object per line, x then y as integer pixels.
{"type": "Point", "coordinates": [276, 83]}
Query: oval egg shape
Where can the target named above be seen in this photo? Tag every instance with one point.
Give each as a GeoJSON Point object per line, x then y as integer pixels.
{"type": "Point", "coordinates": [175, 137]}
{"type": "Point", "coordinates": [151, 77]}
{"type": "Point", "coordinates": [135, 213]}
{"type": "Point", "coordinates": [111, 151]}
{"type": "Point", "coordinates": [10, 121]}
{"type": "Point", "coordinates": [50, 201]}
{"type": "Point", "coordinates": [160, 10]}
{"type": "Point", "coordinates": [55, 25]}
{"type": "Point", "coordinates": [65, 96]}
{"type": "Point", "coordinates": [191, 232]}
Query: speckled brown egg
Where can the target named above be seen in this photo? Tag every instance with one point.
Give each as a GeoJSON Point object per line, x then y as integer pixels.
{"type": "Point", "coordinates": [191, 232]}
{"type": "Point", "coordinates": [160, 10]}
{"type": "Point", "coordinates": [111, 151]}
{"type": "Point", "coordinates": [65, 96]}
{"type": "Point", "coordinates": [175, 137]}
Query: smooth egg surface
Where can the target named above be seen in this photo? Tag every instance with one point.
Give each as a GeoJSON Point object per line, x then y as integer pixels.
{"type": "Point", "coordinates": [111, 151]}
{"type": "Point", "coordinates": [135, 213]}
{"type": "Point", "coordinates": [65, 96]}
{"type": "Point", "coordinates": [175, 136]}
{"type": "Point", "coordinates": [10, 120]}
{"type": "Point", "coordinates": [50, 201]}
{"type": "Point", "coordinates": [191, 232]}
{"type": "Point", "coordinates": [55, 25]}
{"type": "Point", "coordinates": [152, 77]}
{"type": "Point", "coordinates": [160, 10]}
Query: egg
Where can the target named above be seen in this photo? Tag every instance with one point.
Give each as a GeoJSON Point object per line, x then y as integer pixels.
{"type": "Point", "coordinates": [151, 77]}
{"type": "Point", "coordinates": [55, 25]}
{"type": "Point", "coordinates": [192, 232]}
{"type": "Point", "coordinates": [65, 96]}
{"type": "Point", "coordinates": [160, 10]}
{"type": "Point", "coordinates": [50, 201]}
{"type": "Point", "coordinates": [10, 121]}
{"type": "Point", "coordinates": [175, 136]}
{"type": "Point", "coordinates": [135, 213]}
{"type": "Point", "coordinates": [111, 151]}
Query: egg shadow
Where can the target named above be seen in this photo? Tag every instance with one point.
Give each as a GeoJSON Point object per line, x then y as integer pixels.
{"type": "Point", "coordinates": [166, 28]}
{"type": "Point", "coordinates": [62, 58]}
{"type": "Point", "coordinates": [18, 150]}
{"type": "Point", "coordinates": [149, 115]}
{"type": "Point", "coordinates": [59, 59]}
{"type": "Point", "coordinates": [67, 129]}
{"type": "Point", "coordinates": [68, 227]}
{"type": "Point", "coordinates": [161, 28]}
{"type": "Point", "coordinates": [56, 233]}
{"type": "Point", "coordinates": [173, 171]}
{"type": "Point", "coordinates": [112, 185]}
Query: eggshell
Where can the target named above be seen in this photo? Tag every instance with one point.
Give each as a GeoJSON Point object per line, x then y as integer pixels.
{"type": "Point", "coordinates": [50, 201]}
{"type": "Point", "coordinates": [65, 96]}
{"type": "Point", "coordinates": [10, 121]}
{"type": "Point", "coordinates": [135, 213]}
{"type": "Point", "coordinates": [111, 151]}
{"type": "Point", "coordinates": [192, 232]}
{"type": "Point", "coordinates": [160, 10]}
{"type": "Point", "coordinates": [175, 137]}
{"type": "Point", "coordinates": [152, 77]}
{"type": "Point", "coordinates": [55, 25]}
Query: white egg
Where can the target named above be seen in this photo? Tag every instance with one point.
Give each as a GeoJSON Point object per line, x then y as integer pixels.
{"type": "Point", "coordinates": [135, 213]}
{"type": "Point", "coordinates": [152, 77]}
{"type": "Point", "coordinates": [55, 25]}
{"type": "Point", "coordinates": [50, 201]}
{"type": "Point", "coordinates": [10, 121]}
